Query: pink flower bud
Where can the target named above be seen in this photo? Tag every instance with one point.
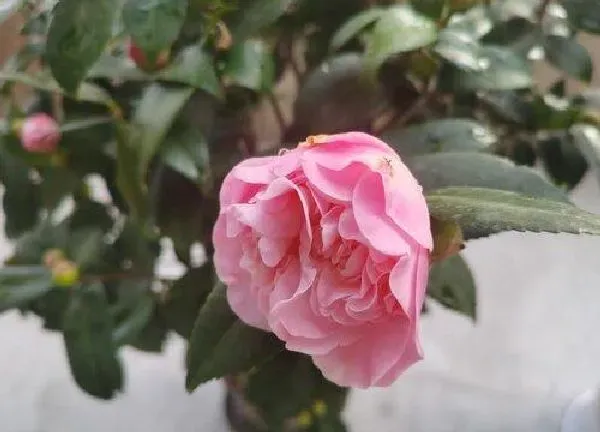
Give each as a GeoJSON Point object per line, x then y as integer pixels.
{"type": "Point", "coordinates": [40, 133]}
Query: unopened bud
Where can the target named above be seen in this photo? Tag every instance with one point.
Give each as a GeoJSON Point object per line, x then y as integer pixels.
{"type": "Point", "coordinates": [319, 408]}
{"type": "Point", "coordinates": [304, 420]}
{"type": "Point", "coordinates": [39, 133]}
{"type": "Point", "coordinates": [65, 274]}
{"type": "Point", "coordinates": [53, 257]}
{"type": "Point", "coordinates": [138, 56]}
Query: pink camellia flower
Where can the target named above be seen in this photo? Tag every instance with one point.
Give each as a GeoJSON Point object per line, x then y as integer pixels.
{"type": "Point", "coordinates": [40, 133]}
{"type": "Point", "coordinates": [327, 246]}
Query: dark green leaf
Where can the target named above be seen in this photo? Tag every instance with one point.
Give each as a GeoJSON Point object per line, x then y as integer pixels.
{"type": "Point", "coordinates": [563, 161]}
{"type": "Point", "coordinates": [295, 376]}
{"type": "Point", "coordinates": [188, 154]}
{"type": "Point", "coordinates": [51, 308]}
{"type": "Point", "coordinates": [30, 248]}
{"type": "Point", "coordinates": [510, 105]}
{"type": "Point", "coordinates": [461, 48]}
{"type": "Point", "coordinates": [21, 200]}
{"type": "Point", "coordinates": [22, 284]}
{"type": "Point", "coordinates": [194, 67]}
{"type": "Point", "coordinates": [136, 320]}
{"type": "Point", "coordinates": [399, 30]}
{"type": "Point", "coordinates": [117, 68]}
{"type": "Point", "coordinates": [250, 65]}
{"type": "Point", "coordinates": [480, 170]}
{"type": "Point", "coordinates": [153, 335]}
{"type": "Point", "coordinates": [56, 185]}
{"type": "Point", "coordinates": [86, 91]}
{"type": "Point", "coordinates": [78, 34]}
{"type": "Point", "coordinates": [185, 298]}
{"type": "Point", "coordinates": [254, 15]}
{"type": "Point", "coordinates": [431, 8]}
{"type": "Point", "coordinates": [568, 55]}
{"type": "Point", "coordinates": [499, 69]}
{"type": "Point", "coordinates": [584, 14]}
{"type": "Point", "coordinates": [482, 212]}
{"type": "Point", "coordinates": [220, 344]}
{"type": "Point", "coordinates": [86, 246]}
{"type": "Point", "coordinates": [154, 115]}
{"type": "Point", "coordinates": [452, 285]}
{"type": "Point", "coordinates": [447, 135]}
{"type": "Point", "coordinates": [154, 24]}
{"type": "Point", "coordinates": [88, 338]}
{"type": "Point", "coordinates": [355, 25]}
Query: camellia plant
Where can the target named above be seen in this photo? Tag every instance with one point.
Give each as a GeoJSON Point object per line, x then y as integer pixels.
{"type": "Point", "coordinates": [303, 268]}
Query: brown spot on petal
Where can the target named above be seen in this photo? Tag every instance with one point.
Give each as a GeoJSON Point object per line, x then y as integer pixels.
{"type": "Point", "coordinates": [313, 140]}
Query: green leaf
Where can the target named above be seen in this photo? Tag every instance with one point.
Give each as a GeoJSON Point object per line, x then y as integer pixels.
{"type": "Point", "coordinates": [482, 212]}
{"type": "Point", "coordinates": [587, 140]}
{"type": "Point", "coordinates": [250, 64]}
{"type": "Point", "coordinates": [56, 185]}
{"type": "Point", "coordinates": [188, 154]}
{"type": "Point", "coordinates": [155, 113]}
{"type": "Point", "coordinates": [399, 30]}
{"type": "Point", "coordinates": [22, 284]}
{"type": "Point", "coordinates": [78, 34]}
{"type": "Point", "coordinates": [136, 320]}
{"type": "Point", "coordinates": [461, 48]}
{"type": "Point", "coordinates": [220, 344]}
{"type": "Point", "coordinates": [568, 55]}
{"type": "Point", "coordinates": [355, 25]}
{"type": "Point", "coordinates": [21, 201]}
{"type": "Point", "coordinates": [86, 247]}
{"type": "Point", "coordinates": [295, 376]}
{"type": "Point", "coordinates": [117, 68]}
{"type": "Point", "coordinates": [563, 161]}
{"type": "Point", "coordinates": [193, 67]}
{"type": "Point", "coordinates": [87, 92]}
{"type": "Point", "coordinates": [481, 170]}
{"type": "Point", "coordinates": [154, 24]}
{"type": "Point", "coordinates": [431, 8]}
{"type": "Point", "coordinates": [499, 68]}
{"type": "Point", "coordinates": [254, 15]}
{"type": "Point", "coordinates": [452, 285]}
{"type": "Point", "coordinates": [88, 338]}
{"type": "Point", "coordinates": [584, 14]}
{"type": "Point", "coordinates": [446, 135]}
{"type": "Point", "coordinates": [185, 298]}
{"type": "Point", "coordinates": [139, 142]}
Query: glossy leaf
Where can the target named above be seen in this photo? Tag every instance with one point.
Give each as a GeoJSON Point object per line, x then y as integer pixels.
{"type": "Point", "coordinates": [351, 28]}
{"type": "Point", "coordinates": [78, 34]}
{"type": "Point", "coordinates": [296, 376]}
{"type": "Point", "coordinates": [185, 298]}
{"type": "Point", "coordinates": [154, 24]}
{"type": "Point", "coordinates": [187, 153]}
{"type": "Point", "coordinates": [193, 67]}
{"type": "Point", "coordinates": [250, 65]}
{"type": "Point", "coordinates": [499, 69]}
{"type": "Point", "coordinates": [461, 48]}
{"type": "Point", "coordinates": [446, 135]}
{"type": "Point", "coordinates": [88, 338]}
{"type": "Point", "coordinates": [452, 285]}
{"type": "Point", "coordinates": [568, 55]}
{"type": "Point", "coordinates": [482, 212]}
{"type": "Point", "coordinates": [254, 15]}
{"type": "Point", "coordinates": [136, 320]}
{"type": "Point", "coordinates": [22, 284]}
{"type": "Point", "coordinates": [563, 161]}
{"type": "Point", "coordinates": [86, 246]}
{"type": "Point", "coordinates": [399, 30]}
{"type": "Point", "coordinates": [480, 170]}
{"type": "Point", "coordinates": [220, 344]}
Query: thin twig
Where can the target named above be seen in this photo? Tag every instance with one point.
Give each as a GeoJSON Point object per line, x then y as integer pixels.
{"type": "Point", "coordinates": [401, 118]}
{"type": "Point", "coordinates": [278, 113]}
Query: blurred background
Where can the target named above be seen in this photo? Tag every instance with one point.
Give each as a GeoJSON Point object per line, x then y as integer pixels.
{"type": "Point", "coordinates": [534, 348]}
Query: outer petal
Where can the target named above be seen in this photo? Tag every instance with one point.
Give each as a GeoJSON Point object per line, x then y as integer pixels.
{"type": "Point", "coordinates": [369, 207]}
{"type": "Point", "coordinates": [408, 282]}
{"type": "Point", "coordinates": [376, 360]}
